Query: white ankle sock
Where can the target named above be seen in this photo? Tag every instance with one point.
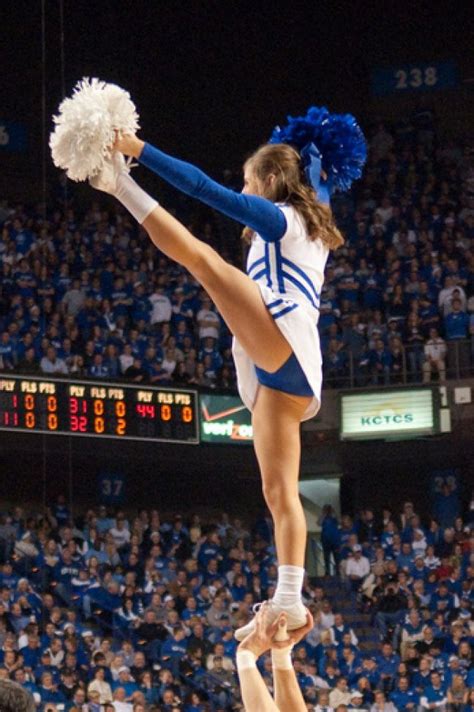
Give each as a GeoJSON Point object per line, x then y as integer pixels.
{"type": "Point", "coordinates": [290, 583]}
{"type": "Point", "coordinates": [134, 198]}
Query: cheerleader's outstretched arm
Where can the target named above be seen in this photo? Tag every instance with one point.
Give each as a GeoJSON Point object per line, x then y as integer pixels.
{"type": "Point", "coordinates": [257, 213]}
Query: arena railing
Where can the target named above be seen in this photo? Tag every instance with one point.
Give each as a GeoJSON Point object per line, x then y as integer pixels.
{"type": "Point", "coordinates": [352, 373]}
{"type": "Point", "coordinates": [357, 373]}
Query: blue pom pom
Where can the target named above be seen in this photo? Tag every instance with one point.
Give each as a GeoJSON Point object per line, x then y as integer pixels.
{"type": "Point", "coordinates": [338, 137]}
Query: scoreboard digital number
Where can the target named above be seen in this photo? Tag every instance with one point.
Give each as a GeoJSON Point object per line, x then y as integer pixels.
{"type": "Point", "coordinates": [108, 410]}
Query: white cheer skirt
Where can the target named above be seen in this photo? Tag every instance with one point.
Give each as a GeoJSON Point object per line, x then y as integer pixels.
{"type": "Point", "coordinates": [300, 329]}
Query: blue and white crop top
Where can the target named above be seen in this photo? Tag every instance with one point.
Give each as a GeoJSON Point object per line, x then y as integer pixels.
{"type": "Point", "coordinates": [292, 267]}
{"type": "Point", "coordinates": [281, 256]}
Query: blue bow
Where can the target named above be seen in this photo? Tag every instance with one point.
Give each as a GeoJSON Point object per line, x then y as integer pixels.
{"type": "Point", "coordinates": [325, 190]}
{"type": "Point", "coordinates": [311, 157]}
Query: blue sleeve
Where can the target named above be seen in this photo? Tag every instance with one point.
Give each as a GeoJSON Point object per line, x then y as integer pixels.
{"type": "Point", "coordinates": [258, 213]}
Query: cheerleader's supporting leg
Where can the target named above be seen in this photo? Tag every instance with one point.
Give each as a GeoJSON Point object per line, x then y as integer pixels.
{"type": "Point", "coordinates": [276, 421]}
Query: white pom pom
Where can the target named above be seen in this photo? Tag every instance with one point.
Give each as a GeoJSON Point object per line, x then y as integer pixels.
{"type": "Point", "coordinates": [86, 124]}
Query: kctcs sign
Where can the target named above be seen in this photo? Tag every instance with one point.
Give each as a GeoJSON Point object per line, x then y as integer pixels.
{"type": "Point", "coordinates": [397, 413]}
{"type": "Point", "coordinates": [387, 419]}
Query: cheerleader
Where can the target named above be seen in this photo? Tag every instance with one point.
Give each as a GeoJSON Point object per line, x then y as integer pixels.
{"type": "Point", "coordinates": [272, 310]}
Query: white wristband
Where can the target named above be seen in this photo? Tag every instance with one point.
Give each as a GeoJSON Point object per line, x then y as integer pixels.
{"type": "Point", "coordinates": [246, 660]}
{"type": "Point", "coordinates": [281, 658]}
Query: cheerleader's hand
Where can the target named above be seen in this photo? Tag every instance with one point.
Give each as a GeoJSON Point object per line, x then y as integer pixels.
{"type": "Point", "coordinates": [129, 144]}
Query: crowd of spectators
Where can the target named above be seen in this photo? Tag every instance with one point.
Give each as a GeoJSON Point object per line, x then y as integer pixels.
{"type": "Point", "coordinates": [415, 581]}
{"type": "Point", "coordinates": [84, 293]}
{"type": "Point", "coordinates": [398, 299]}
{"type": "Point", "coordinates": [114, 612]}
{"type": "Point", "coordinates": [87, 295]}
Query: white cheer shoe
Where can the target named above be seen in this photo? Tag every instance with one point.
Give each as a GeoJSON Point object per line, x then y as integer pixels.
{"type": "Point", "coordinates": [295, 618]}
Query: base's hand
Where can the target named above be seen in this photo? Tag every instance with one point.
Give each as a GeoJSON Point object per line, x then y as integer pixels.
{"type": "Point", "coordinates": [261, 638]}
{"type": "Point", "coordinates": [295, 636]}
{"type": "Point", "coordinates": [129, 144]}
{"type": "Point", "coordinates": [282, 633]}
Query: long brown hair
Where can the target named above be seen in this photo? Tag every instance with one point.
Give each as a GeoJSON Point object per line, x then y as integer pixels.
{"type": "Point", "coordinates": [290, 186]}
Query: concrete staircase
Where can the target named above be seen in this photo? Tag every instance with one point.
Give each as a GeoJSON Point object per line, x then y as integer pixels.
{"type": "Point", "coordinates": [344, 602]}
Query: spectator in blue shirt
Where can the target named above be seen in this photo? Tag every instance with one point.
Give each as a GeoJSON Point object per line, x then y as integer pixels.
{"type": "Point", "coordinates": [330, 538]}
{"type": "Point", "coordinates": [380, 361]}
{"type": "Point", "coordinates": [446, 506]}
{"type": "Point", "coordinates": [99, 368]}
{"type": "Point", "coordinates": [7, 351]}
{"type": "Point", "coordinates": [348, 285]}
{"type": "Point", "coordinates": [22, 236]}
{"type": "Point", "coordinates": [49, 691]}
{"type": "Point", "coordinates": [334, 361]}
{"type": "Point", "coordinates": [210, 549]}
{"type": "Point", "coordinates": [442, 599]}
{"type": "Point", "coordinates": [405, 559]}
{"type": "Point", "coordinates": [125, 681]}
{"type": "Point", "coordinates": [434, 696]}
{"type": "Point", "coordinates": [141, 306]}
{"type": "Point", "coordinates": [350, 664]}
{"type": "Point", "coordinates": [174, 647]}
{"type": "Point", "coordinates": [31, 652]}
{"type": "Point", "coordinates": [418, 569]}
{"type": "Point", "coordinates": [387, 665]}
{"type": "Point", "coordinates": [372, 289]}
{"type": "Point", "coordinates": [456, 327]}
{"type": "Point", "coordinates": [404, 697]}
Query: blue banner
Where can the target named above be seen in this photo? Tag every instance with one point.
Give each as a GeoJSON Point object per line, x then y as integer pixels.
{"type": "Point", "coordinates": [12, 137]}
{"type": "Point", "coordinates": [406, 78]}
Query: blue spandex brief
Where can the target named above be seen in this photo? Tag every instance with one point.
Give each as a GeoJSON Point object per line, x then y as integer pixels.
{"type": "Point", "coordinates": [289, 378]}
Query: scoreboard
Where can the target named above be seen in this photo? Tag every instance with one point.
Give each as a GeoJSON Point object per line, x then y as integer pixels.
{"type": "Point", "coordinates": [89, 408]}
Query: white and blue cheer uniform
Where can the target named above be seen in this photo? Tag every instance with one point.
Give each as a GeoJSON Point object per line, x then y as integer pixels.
{"type": "Point", "coordinates": [285, 263]}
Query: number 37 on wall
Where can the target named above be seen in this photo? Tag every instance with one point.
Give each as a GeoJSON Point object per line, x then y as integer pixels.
{"type": "Point", "coordinates": [111, 488]}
